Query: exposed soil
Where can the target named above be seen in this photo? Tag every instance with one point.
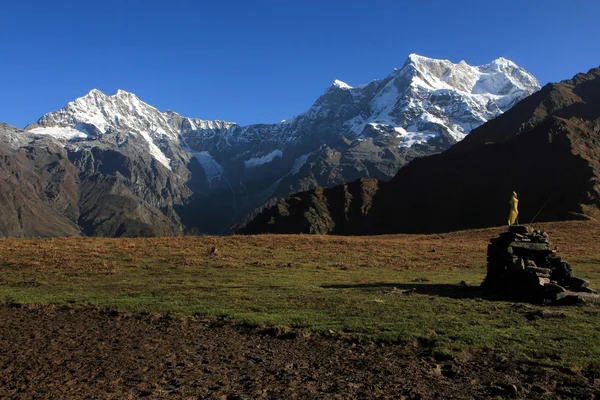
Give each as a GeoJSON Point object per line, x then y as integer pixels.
{"type": "Point", "coordinates": [62, 353]}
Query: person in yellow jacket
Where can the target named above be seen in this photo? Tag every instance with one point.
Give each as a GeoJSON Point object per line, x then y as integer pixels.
{"type": "Point", "coordinates": [514, 210]}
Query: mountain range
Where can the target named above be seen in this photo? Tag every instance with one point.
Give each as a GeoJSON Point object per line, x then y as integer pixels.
{"type": "Point", "coordinates": [116, 166]}
{"type": "Point", "coordinates": [546, 148]}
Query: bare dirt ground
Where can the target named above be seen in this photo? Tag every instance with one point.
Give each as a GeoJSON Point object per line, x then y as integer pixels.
{"type": "Point", "coordinates": [62, 353]}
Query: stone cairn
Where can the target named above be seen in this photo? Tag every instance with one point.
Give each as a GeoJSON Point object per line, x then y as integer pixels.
{"type": "Point", "coordinates": [520, 264]}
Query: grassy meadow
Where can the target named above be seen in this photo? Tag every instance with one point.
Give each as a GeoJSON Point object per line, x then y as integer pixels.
{"type": "Point", "coordinates": [391, 288]}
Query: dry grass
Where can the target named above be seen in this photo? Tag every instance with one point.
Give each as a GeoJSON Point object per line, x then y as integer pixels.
{"type": "Point", "coordinates": [353, 285]}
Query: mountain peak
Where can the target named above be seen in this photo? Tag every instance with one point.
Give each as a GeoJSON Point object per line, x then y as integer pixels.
{"type": "Point", "coordinates": [417, 59]}
{"type": "Point", "coordinates": [504, 62]}
{"type": "Point", "coordinates": [95, 93]}
{"type": "Point", "coordinates": [341, 85]}
{"type": "Point", "coordinates": [122, 93]}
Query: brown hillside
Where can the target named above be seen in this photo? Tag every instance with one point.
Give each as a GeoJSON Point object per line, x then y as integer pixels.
{"type": "Point", "coordinates": [340, 209]}
{"type": "Point", "coordinates": [44, 193]}
{"type": "Point", "coordinates": [36, 198]}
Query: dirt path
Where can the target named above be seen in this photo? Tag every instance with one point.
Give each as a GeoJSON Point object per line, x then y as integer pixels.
{"type": "Point", "coordinates": [83, 353]}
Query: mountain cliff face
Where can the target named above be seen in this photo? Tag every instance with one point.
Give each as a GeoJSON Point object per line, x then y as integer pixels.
{"type": "Point", "coordinates": [546, 148]}
{"type": "Point", "coordinates": [36, 188]}
{"type": "Point", "coordinates": [138, 171]}
{"type": "Point", "coordinates": [42, 193]}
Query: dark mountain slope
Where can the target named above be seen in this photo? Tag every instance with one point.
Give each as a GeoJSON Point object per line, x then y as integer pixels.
{"type": "Point", "coordinates": [338, 210]}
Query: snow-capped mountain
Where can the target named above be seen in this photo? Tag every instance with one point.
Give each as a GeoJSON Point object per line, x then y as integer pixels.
{"type": "Point", "coordinates": [430, 98]}
{"type": "Point", "coordinates": [546, 148]}
{"type": "Point", "coordinates": [207, 175]}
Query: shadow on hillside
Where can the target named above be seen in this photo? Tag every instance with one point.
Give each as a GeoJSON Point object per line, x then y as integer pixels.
{"type": "Point", "coordinates": [432, 289]}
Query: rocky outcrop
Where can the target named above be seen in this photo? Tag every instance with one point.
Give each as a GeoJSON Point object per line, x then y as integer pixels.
{"type": "Point", "coordinates": [521, 264]}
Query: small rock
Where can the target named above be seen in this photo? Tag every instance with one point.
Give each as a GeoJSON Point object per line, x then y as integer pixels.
{"type": "Point", "coordinates": [539, 271]}
{"type": "Point", "coordinates": [576, 283]}
{"type": "Point", "coordinates": [289, 366]}
{"type": "Point", "coordinates": [516, 265]}
{"type": "Point", "coordinates": [449, 372]}
{"type": "Point", "coordinates": [562, 270]}
{"type": "Point", "coordinates": [505, 389]}
{"type": "Point", "coordinates": [510, 390]}
{"type": "Point", "coordinates": [531, 263]}
{"type": "Point", "coordinates": [530, 246]}
{"type": "Point", "coordinates": [561, 297]}
{"type": "Point", "coordinates": [554, 288]}
{"type": "Point", "coordinates": [522, 229]}
{"type": "Point", "coordinates": [538, 389]}
{"type": "Point", "coordinates": [537, 281]}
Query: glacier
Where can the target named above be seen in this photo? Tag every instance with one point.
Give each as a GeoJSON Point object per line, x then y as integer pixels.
{"type": "Point", "coordinates": [255, 162]}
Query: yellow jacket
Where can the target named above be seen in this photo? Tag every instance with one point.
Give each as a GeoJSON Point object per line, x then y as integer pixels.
{"type": "Point", "coordinates": [514, 210]}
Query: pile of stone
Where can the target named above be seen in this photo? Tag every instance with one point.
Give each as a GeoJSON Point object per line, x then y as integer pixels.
{"type": "Point", "coordinates": [521, 264]}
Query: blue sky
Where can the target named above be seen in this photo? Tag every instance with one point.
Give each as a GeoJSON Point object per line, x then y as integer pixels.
{"type": "Point", "coordinates": [253, 61]}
